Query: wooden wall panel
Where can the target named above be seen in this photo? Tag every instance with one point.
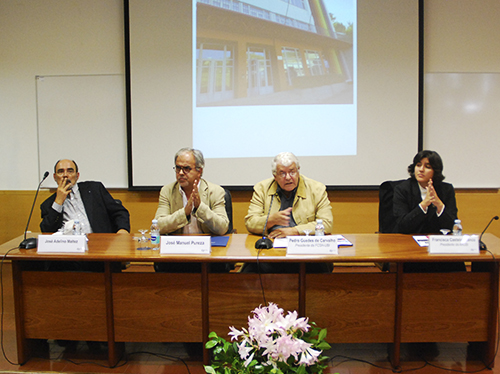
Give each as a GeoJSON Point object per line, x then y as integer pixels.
{"type": "Point", "coordinates": [353, 211]}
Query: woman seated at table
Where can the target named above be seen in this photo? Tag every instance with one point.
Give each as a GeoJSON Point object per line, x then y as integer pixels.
{"type": "Point", "coordinates": [424, 204]}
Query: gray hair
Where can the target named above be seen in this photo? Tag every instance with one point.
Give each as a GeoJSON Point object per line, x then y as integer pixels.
{"type": "Point", "coordinates": [284, 159]}
{"type": "Point", "coordinates": [198, 156]}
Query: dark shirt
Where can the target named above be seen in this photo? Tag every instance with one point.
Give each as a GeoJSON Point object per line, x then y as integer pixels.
{"type": "Point", "coordinates": [286, 202]}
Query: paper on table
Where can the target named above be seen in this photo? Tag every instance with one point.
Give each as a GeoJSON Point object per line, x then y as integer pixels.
{"type": "Point", "coordinates": [219, 241]}
{"type": "Point", "coordinates": [342, 241]}
{"type": "Point", "coordinates": [422, 240]}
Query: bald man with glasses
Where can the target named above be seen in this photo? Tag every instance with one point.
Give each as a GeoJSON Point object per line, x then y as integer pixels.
{"type": "Point", "coordinates": [88, 202]}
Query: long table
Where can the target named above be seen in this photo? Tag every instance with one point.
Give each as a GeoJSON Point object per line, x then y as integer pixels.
{"type": "Point", "coordinates": [359, 307]}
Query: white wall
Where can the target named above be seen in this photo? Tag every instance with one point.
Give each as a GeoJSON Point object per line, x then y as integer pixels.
{"type": "Point", "coordinates": [47, 37]}
{"type": "Point", "coordinates": [75, 37]}
{"type": "Point", "coordinates": [462, 36]}
{"type": "Point", "coordinates": [462, 90]}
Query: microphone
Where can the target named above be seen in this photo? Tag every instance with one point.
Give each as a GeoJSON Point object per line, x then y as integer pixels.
{"type": "Point", "coordinates": [265, 243]}
{"type": "Point", "coordinates": [32, 242]}
{"type": "Point", "coordinates": [482, 246]}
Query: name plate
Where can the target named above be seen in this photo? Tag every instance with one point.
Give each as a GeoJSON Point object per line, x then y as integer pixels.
{"type": "Point", "coordinates": [463, 244]}
{"type": "Point", "coordinates": [62, 244]}
{"type": "Point", "coordinates": [312, 245]}
{"type": "Point", "coordinates": [199, 245]}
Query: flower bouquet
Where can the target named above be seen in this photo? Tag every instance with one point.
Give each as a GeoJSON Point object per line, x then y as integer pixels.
{"type": "Point", "coordinates": [274, 343]}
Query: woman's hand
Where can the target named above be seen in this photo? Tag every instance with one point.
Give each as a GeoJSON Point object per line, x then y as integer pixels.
{"type": "Point", "coordinates": [432, 198]}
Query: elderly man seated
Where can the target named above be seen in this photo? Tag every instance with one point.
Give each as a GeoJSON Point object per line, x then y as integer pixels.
{"type": "Point", "coordinates": [293, 203]}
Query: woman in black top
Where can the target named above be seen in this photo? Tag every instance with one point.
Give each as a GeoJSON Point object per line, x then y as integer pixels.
{"type": "Point", "coordinates": [424, 204]}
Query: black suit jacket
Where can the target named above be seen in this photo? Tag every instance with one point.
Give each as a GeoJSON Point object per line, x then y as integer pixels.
{"type": "Point", "coordinates": [410, 219]}
{"type": "Point", "coordinates": [105, 214]}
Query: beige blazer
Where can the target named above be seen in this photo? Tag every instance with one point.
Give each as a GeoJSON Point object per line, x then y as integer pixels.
{"type": "Point", "coordinates": [211, 214]}
{"type": "Point", "coordinates": [310, 203]}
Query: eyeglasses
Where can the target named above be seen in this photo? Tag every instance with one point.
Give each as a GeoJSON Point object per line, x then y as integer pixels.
{"type": "Point", "coordinates": [185, 169]}
{"type": "Point", "coordinates": [61, 172]}
{"type": "Point", "coordinates": [291, 173]}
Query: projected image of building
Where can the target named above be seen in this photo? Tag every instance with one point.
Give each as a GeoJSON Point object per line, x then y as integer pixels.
{"type": "Point", "coordinates": [271, 52]}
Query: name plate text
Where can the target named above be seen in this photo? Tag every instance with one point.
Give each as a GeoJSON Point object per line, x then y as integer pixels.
{"type": "Point", "coordinates": [312, 245]}
{"type": "Point", "coordinates": [463, 244]}
{"type": "Point", "coordinates": [199, 245]}
{"type": "Point", "coordinates": [62, 243]}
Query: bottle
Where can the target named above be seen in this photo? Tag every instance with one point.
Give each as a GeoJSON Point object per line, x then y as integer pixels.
{"type": "Point", "coordinates": [457, 227]}
{"type": "Point", "coordinates": [320, 228]}
{"type": "Point", "coordinates": [155, 235]}
{"type": "Point", "coordinates": [77, 228]}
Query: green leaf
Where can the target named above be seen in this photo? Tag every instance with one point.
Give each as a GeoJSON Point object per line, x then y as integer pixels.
{"type": "Point", "coordinates": [301, 369]}
{"type": "Point", "coordinates": [212, 335]}
{"type": "Point", "coordinates": [259, 369]}
{"type": "Point", "coordinates": [209, 370]}
{"type": "Point", "coordinates": [324, 346]}
{"type": "Point", "coordinates": [210, 344]}
{"type": "Point", "coordinates": [322, 334]}
{"type": "Point", "coordinates": [217, 349]}
{"type": "Point", "coordinates": [253, 363]}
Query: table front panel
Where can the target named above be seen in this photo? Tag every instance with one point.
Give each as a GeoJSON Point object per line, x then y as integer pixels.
{"type": "Point", "coordinates": [354, 308]}
{"type": "Point", "coordinates": [157, 307]}
{"type": "Point", "coordinates": [64, 305]}
{"type": "Point", "coordinates": [445, 307]}
{"type": "Point", "coordinates": [233, 296]}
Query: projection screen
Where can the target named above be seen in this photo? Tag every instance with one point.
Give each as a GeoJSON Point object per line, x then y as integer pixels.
{"type": "Point", "coordinates": [333, 81]}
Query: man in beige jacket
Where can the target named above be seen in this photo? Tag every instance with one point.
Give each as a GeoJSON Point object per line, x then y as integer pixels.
{"type": "Point", "coordinates": [297, 202]}
{"type": "Point", "coordinates": [293, 203]}
{"type": "Point", "coordinates": [191, 205]}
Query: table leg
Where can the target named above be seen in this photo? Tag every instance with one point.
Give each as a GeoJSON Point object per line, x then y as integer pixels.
{"type": "Point", "coordinates": [204, 311]}
{"type": "Point", "coordinates": [395, 350]}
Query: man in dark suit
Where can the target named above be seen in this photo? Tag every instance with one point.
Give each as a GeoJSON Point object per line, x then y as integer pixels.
{"type": "Point", "coordinates": [96, 210]}
{"type": "Point", "coordinates": [88, 202]}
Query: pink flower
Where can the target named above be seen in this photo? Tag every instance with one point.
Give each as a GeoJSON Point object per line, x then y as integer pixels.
{"type": "Point", "coordinates": [269, 330]}
{"type": "Point", "coordinates": [249, 359]}
{"type": "Point", "coordinates": [285, 346]}
{"type": "Point", "coordinates": [293, 324]}
{"type": "Point", "coordinates": [234, 334]}
{"type": "Point", "coordinates": [309, 357]}
{"type": "Point", "coordinates": [244, 350]}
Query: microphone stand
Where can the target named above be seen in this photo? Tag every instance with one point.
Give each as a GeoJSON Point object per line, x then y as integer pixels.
{"type": "Point", "coordinates": [32, 242]}
{"type": "Point", "coordinates": [482, 246]}
{"type": "Point", "coordinates": [265, 243]}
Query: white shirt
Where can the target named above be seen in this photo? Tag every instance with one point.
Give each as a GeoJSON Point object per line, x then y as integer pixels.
{"type": "Point", "coordinates": [192, 226]}
{"type": "Point", "coordinates": [423, 193]}
{"type": "Point", "coordinates": [73, 209]}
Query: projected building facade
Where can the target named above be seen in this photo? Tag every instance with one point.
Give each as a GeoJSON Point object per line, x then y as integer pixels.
{"type": "Point", "coordinates": [270, 52]}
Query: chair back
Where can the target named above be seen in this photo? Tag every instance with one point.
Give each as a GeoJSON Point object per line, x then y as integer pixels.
{"type": "Point", "coordinates": [229, 210]}
{"type": "Point", "coordinates": [386, 219]}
